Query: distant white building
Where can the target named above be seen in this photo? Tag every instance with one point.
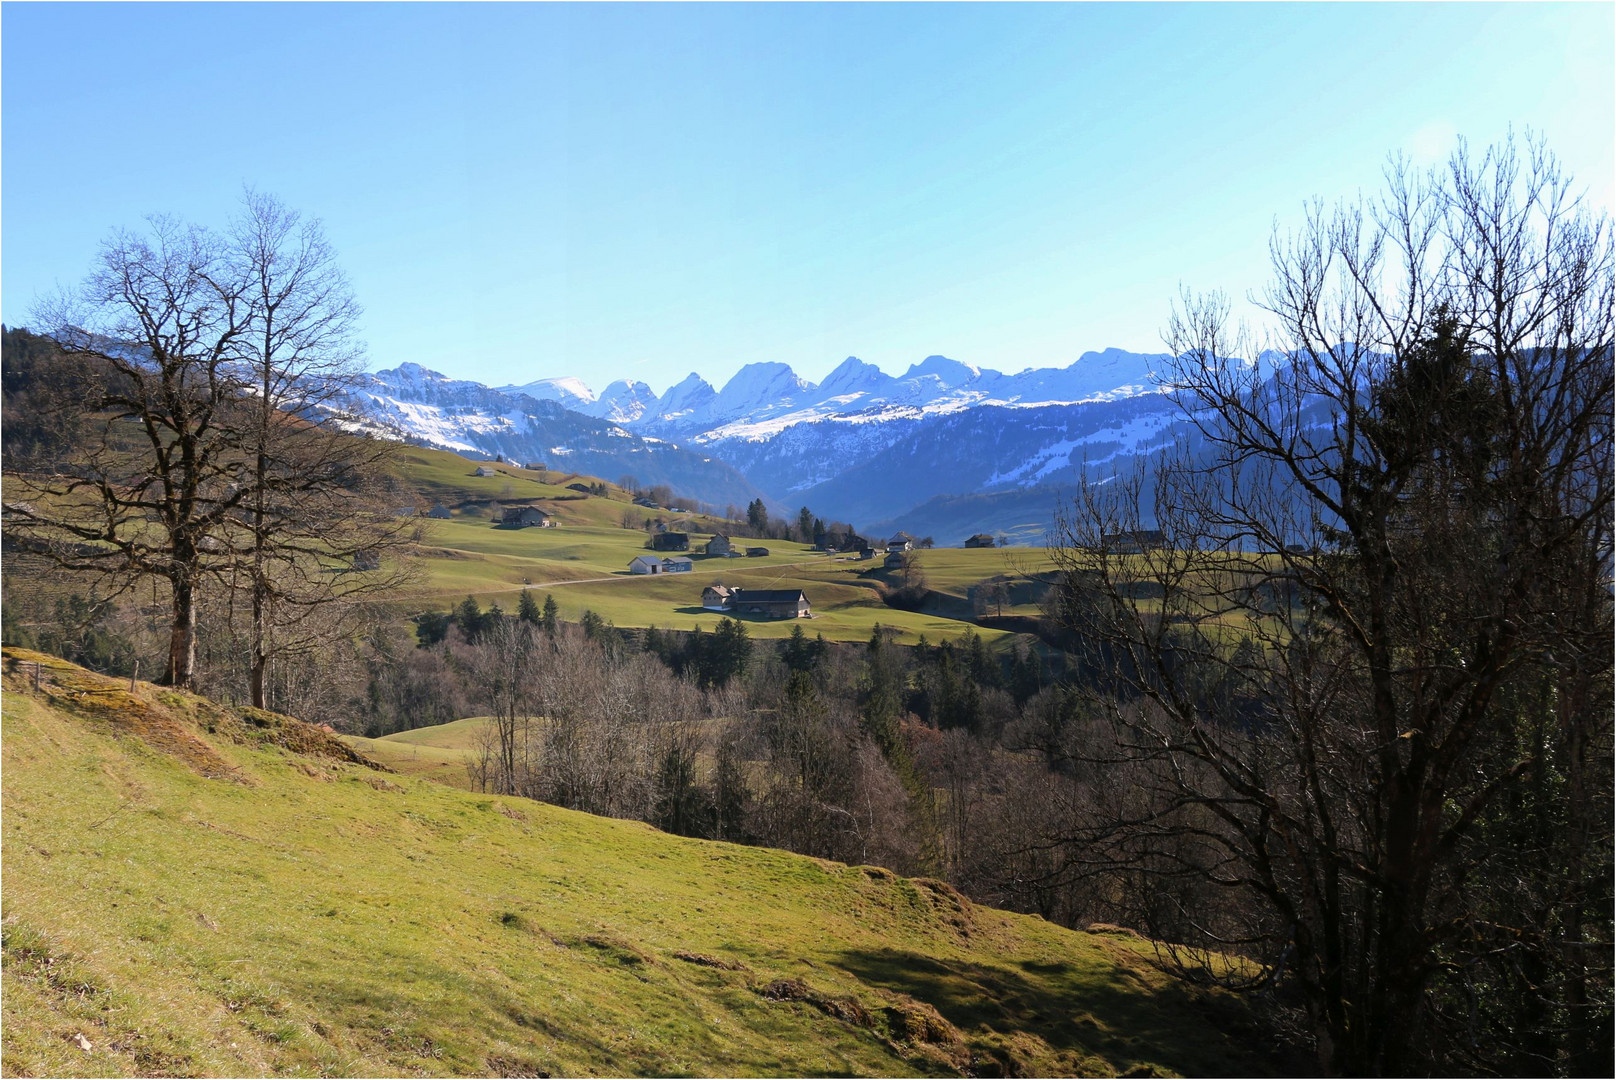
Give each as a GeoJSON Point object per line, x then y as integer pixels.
{"type": "Point", "coordinates": [486, 470]}
{"type": "Point", "coordinates": [645, 564]}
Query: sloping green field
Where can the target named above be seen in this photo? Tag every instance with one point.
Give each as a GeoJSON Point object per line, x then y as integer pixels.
{"type": "Point", "coordinates": [194, 890]}
{"type": "Point", "coordinates": [439, 752]}
{"type": "Point", "coordinates": [442, 476]}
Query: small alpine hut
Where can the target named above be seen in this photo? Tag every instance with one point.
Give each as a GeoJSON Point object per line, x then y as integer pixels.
{"type": "Point", "coordinates": [718, 545]}
{"type": "Point", "coordinates": [486, 470]}
{"type": "Point", "coordinates": [670, 541]}
{"type": "Point", "coordinates": [645, 564]}
{"type": "Point", "coordinates": [716, 597]}
{"type": "Point", "coordinates": [980, 540]}
{"type": "Point", "coordinates": [677, 564]}
{"type": "Point", "coordinates": [901, 542]}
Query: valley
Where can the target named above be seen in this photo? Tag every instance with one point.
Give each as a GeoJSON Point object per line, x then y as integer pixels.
{"type": "Point", "coordinates": [583, 561]}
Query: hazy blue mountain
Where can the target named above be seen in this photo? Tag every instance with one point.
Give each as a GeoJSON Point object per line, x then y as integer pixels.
{"type": "Point", "coordinates": [986, 449]}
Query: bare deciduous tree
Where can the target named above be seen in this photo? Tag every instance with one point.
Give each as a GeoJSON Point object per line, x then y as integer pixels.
{"type": "Point", "coordinates": [1369, 658]}
{"type": "Point", "coordinates": [161, 472]}
{"type": "Point", "coordinates": [314, 532]}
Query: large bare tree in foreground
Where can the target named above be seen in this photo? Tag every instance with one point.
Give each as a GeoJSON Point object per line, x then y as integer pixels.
{"type": "Point", "coordinates": [1357, 700]}
{"type": "Point", "coordinates": [160, 472]}
{"type": "Point", "coordinates": [314, 529]}
{"type": "Point", "coordinates": [209, 359]}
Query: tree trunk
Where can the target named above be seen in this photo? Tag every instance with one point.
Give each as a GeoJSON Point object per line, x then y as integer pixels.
{"type": "Point", "coordinates": [260, 650]}
{"type": "Point", "coordinates": [182, 637]}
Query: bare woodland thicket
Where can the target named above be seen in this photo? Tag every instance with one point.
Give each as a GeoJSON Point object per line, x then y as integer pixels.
{"type": "Point", "coordinates": [1361, 696]}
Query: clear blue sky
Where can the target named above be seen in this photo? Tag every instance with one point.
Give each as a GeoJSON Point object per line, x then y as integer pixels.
{"type": "Point", "coordinates": [523, 191]}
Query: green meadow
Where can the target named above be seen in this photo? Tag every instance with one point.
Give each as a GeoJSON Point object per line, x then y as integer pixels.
{"type": "Point", "coordinates": [198, 890]}
{"type": "Point", "coordinates": [583, 562]}
{"type": "Point", "coordinates": [439, 752]}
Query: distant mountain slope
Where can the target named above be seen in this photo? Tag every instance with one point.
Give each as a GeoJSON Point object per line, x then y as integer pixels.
{"type": "Point", "coordinates": [992, 448]}
{"type": "Point", "coordinates": [1023, 517]}
{"type": "Point", "coordinates": [468, 417]}
{"type": "Point", "coordinates": [229, 893]}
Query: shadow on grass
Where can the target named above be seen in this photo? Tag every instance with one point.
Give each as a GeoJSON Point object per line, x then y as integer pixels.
{"type": "Point", "coordinates": [1103, 1008]}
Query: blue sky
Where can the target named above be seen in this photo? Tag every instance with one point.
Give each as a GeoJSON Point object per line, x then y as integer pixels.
{"type": "Point", "coordinates": [524, 191]}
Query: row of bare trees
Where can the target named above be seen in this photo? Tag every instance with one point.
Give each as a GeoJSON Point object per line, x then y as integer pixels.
{"type": "Point", "coordinates": [209, 368]}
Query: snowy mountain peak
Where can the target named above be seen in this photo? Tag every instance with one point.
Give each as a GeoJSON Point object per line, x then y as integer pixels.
{"type": "Point", "coordinates": [759, 387]}
{"type": "Point", "coordinates": [852, 376]}
{"type": "Point", "coordinates": [567, 390]}
{"type": "Point", "coordinates": [411, 372]}
{"type": "Point", "coordinates": [765, 379]}
{"type": "Point", "coordinates": [950, 373]}
{"type": "Point", "coordinates": [684, 398]}
{"type": "Point", "coordinates": [624, 401]}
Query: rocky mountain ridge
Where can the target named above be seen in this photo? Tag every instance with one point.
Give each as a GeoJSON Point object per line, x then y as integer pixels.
{"type": "Point", "coordinates": [862, 445]}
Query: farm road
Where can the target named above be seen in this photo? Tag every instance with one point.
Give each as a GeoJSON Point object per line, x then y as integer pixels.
{"type": "Point", "coordinates": [693, 572]}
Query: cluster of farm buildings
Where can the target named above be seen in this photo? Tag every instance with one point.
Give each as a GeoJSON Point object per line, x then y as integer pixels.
{"type": "Point", "coordinates": [770, 603]}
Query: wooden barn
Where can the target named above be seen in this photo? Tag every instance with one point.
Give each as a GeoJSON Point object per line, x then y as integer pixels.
{"type": "Point", "coordinates": [523, 517]}
{"type": "Point", "coordinates": [770, 603]}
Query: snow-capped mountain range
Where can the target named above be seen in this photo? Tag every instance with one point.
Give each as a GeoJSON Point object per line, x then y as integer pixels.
{"type": "Point", "coordinates": [861, 446]}
{"type": "Point", "coordinates": [470, 418]}
{"type": "Point", "coordinates": [764, 399]}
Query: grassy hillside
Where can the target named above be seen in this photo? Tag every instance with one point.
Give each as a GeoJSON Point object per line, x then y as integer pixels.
{"type": "Point", "coordinates": [195, 890]}
{"type": "Point", "coordinates": [439, 752]}
{"type": "Point", "coordinates": [441, 476]}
